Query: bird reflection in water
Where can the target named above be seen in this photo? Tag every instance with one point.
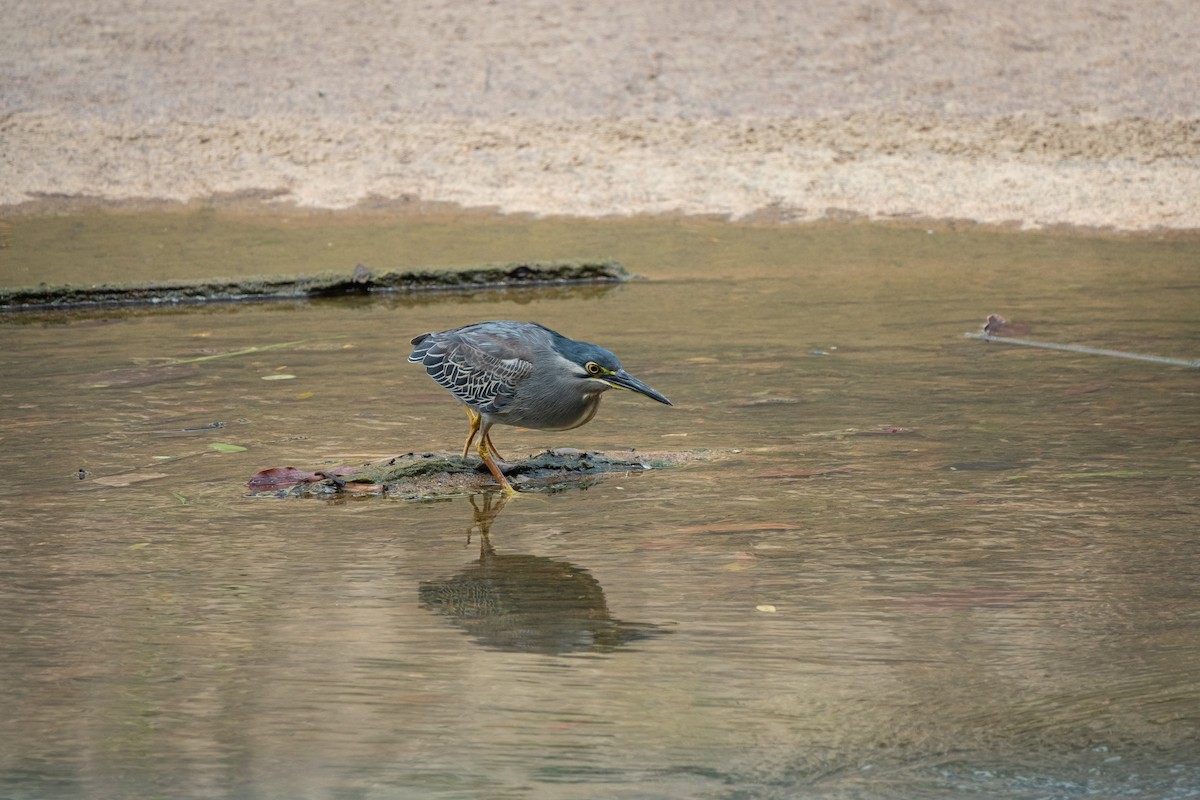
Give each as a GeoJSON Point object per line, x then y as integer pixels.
{"type": "Point", "coordinates": [528, 603]}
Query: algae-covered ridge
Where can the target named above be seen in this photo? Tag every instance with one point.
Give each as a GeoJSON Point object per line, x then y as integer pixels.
{"type": "Point", "coordinates": [431, 475]}
{"type": "Point", "coordinates": [359, 282]}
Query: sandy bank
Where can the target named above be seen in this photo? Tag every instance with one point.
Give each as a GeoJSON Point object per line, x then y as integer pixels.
{"type": "Point", "coordinates": [1080, 114]}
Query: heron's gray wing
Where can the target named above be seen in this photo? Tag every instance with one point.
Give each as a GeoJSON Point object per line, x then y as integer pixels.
{"type": "Point", "coordinates": [481, 379]}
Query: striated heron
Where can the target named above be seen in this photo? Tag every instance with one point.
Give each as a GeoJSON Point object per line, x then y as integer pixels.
{"type": "Point", "coordinates": [524, 374]}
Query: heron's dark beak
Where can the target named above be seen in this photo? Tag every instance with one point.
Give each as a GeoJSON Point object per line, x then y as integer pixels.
{"type": "Point", "coordinates": [623, 380]}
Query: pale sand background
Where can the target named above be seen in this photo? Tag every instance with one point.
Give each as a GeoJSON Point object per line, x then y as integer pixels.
{"type": "Point", "coordinates": [1025, 111]}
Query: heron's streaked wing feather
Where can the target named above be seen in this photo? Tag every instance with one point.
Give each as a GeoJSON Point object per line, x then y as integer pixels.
{"type": "Point", "coordinates": [475, 376]}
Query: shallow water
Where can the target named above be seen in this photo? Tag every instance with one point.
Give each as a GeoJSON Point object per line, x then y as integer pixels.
{"type": "Point", "coordinates": [916, 565]}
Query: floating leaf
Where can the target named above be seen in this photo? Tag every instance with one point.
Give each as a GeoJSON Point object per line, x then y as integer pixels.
{"type": "Point", "coordinates": [766, 608]}
{"type": "Point", "coordinates": [281, 478]}
{"type": "Point", "coordinates": [269, 480]}
{"type": "Point", "coordinates": [222, 447]}
{"type": "Point", "coordinates": [138, 546]}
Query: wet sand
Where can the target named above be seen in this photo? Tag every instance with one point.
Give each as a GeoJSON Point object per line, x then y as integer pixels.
{"type": "Point", "coordinates": [1076, 114]}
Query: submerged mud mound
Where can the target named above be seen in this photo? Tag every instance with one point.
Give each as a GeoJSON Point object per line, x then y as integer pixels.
{"type": "Point", "coordinates": [429, 475]}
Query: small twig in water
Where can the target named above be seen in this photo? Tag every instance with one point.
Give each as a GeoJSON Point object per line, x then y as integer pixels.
{"type": "Point", "coordinates": [244, 351]}
{"type": "Point", "coordinates": [1091, 351]}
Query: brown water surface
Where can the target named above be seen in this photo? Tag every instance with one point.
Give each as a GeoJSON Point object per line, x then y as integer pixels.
{"type": "Point", "coordinates": [921, 566]}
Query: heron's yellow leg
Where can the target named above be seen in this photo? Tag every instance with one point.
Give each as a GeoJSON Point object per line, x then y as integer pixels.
{"type": "Point", "coordinates": [488, 438]}
{"type": "Point", "coordinates": [475, 420]}
{"type": "Point", "coordinates": [482, 449]}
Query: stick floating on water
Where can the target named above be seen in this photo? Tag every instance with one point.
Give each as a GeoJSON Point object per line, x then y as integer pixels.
{"type": "Point", "coordinates": [1091, 351]}
{"type": "Point", "coordinates": [258, 348]}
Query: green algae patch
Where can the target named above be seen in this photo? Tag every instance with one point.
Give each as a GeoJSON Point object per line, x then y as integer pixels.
{"type": "Point", "coordinates": [361, 281]}
{"type": "Point", "coordinates": [420, 476]}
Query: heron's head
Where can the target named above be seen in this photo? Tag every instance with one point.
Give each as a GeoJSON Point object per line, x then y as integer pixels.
{"type": "Point", "coordinates": [600, 370]}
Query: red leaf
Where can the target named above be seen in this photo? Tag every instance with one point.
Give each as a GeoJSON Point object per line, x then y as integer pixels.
{"type": "Point", "coordinates": [282, 478]}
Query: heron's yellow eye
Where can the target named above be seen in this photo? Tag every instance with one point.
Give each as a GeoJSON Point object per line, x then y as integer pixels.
{"type": "Point", "coordinates": [593, 368]}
